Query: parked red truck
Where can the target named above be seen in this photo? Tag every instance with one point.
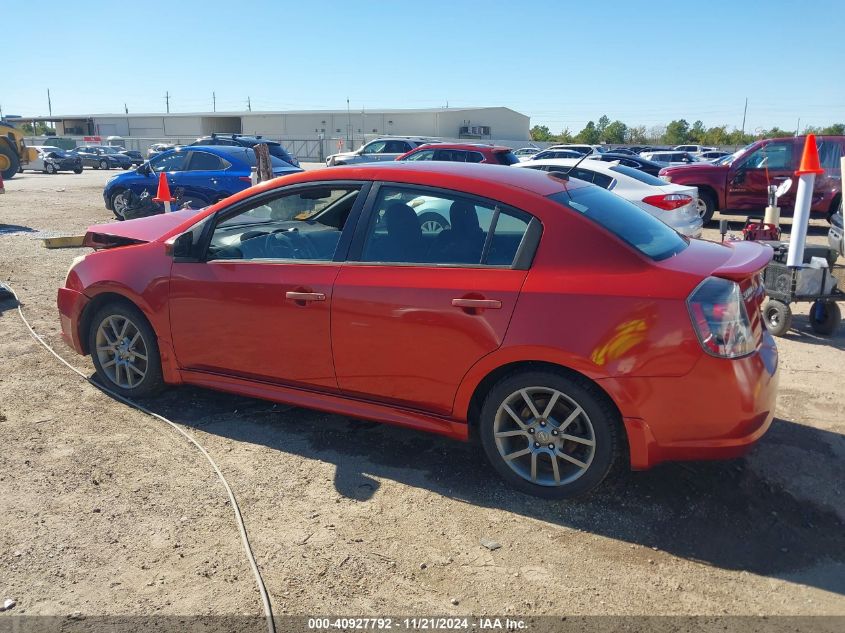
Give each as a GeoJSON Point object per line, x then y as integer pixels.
{"type": "Point", "coordinates": [740, 182]}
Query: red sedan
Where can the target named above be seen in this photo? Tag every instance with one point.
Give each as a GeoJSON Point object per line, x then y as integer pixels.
{"type": "Point", "coordinates": [560, 325]}
{"type": "Point", "coordinates": [462, 153]}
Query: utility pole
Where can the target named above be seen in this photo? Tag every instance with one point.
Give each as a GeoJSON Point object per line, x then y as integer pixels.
{"type": "Point", "coordinates": [248, 104]}
{"type": "Point", "coordinates": [348, 123]}
{"type": "Point", "coordinates": [1, 112]}
{"type": "Point", "coordinates": [167, 101]}
{"type": "Point", "coordinates": [126, 108]}
{"type": "Point", "coordinates": [798, 127]}
{"type": "Point", "coordinates": [744, 112]}
{"type": "Point", "coordinates": [214, 101]}
{"type": "Point", "coordinates": [49, 103]}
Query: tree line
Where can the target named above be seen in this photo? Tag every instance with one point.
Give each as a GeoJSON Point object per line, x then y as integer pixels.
{"type": "Point", "coordinates": [676, 132]}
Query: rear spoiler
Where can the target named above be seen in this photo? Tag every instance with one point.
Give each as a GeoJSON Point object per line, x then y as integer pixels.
{"type": "Point", "coordinates": [746, 259]}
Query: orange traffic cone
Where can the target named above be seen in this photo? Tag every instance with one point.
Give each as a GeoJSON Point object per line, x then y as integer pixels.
{"type": "Point", "coordinates": [810, 158]}
{"type": "Point", "coordinates": [163, 194]}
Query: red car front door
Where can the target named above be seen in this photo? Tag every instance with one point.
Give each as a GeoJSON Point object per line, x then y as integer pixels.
{"type": "Point", "coordinates": [259, 306]}
{"type": "Point", "coordinates": [413, 315]}
{"type": "Point", "coordinates": [769, 164]}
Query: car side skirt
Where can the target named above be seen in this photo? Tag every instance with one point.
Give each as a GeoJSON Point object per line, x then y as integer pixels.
{"type": "Point", "coordinates": [342, 405]}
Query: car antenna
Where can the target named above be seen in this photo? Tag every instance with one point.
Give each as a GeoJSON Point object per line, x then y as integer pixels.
{"type": "Point", "coordinates": [580, 160]}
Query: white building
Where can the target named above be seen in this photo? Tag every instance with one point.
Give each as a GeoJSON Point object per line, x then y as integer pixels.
{"type": "Point", "coordinates": [497, 123]}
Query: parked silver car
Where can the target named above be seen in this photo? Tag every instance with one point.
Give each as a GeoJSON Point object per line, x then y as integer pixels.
{"type": "Point", "coordinates": [381, 149]}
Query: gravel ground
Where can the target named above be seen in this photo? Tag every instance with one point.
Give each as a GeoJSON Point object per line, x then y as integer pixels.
{"type": "Point", "coordinates": [108, 511]}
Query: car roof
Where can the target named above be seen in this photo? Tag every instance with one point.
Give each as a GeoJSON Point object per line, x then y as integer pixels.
{"type": "Point", "coordinates": [595, 165]}
{"type": "Point", "coordinates": [466, 146]}
{"type": "Point", "coordinates": [496, 181]}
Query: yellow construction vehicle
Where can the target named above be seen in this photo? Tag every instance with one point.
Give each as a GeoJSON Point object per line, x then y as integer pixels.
{"type": "Point", "coordinates": [13, 151]}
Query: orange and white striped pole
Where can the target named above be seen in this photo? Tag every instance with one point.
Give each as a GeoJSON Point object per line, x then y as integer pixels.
{"type": "Point", "coordinates": [803, 199]}
{"type": "Point", "coordinates": [163, 194]}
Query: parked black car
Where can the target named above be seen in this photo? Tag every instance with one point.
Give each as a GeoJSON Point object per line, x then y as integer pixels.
{"type": "Point", "coordinates": [137, 158]}
{"type": "Point", "coordinates": [637, 162]}
{"type": "Point", "coordinates": [242, 140]}
{"type": "Point", "coordinates": [101, 157]}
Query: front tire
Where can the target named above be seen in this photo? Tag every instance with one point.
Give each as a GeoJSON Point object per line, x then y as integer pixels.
{"type": "Point", "coordinates": [50, 168]}
{"type": "Point", "coordinates": [124, 349]}
{"type": "Point", "coordinates": [550, 435]}
{"type": "Point", "coordinates": [13, 159]}
{"type": "Point", "coordinates": [77, 170]}
{"type": "Point", "coordinates": [119, 203]}
{"type": "Point", "coordinates": [104, 164]}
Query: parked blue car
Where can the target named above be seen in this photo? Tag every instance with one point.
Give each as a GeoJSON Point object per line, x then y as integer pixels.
{"type": "Point", "coordinates": [201, 174]}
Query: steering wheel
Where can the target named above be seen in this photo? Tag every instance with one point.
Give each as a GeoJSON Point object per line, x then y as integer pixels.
{"type": "Point", "coordinates": [301, 246]}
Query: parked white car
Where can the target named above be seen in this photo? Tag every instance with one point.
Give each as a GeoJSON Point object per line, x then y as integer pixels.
{"type": "Point", "coordinates": [674, 205]}
{"type": "Point", "coordinates": [51, 160]}
{"type": "Point", "coordinates": [671, 157]}
{"type": "Point", "coordinates": [525, 153]}
{"type": "Point", "coordinates": [694, 149]}
{"type": "Point", "coordinates": [592, 151]}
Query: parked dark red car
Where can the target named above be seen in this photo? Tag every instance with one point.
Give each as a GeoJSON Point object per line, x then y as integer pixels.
{"type": "Point", "coordinates": [562, 326]}
{"type": "Point", "coordinates": [741, 183]}
{"type": "Point", "coordinates": [463, 153]}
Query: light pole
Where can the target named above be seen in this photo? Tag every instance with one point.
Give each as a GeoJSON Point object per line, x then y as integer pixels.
{"type": "Point", "coordinates": [348, 123]}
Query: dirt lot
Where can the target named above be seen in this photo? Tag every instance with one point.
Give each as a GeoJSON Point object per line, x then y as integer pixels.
{"type": "Point", "coordinates": [108, 511]}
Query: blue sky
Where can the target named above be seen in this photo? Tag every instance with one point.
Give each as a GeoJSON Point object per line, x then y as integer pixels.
{"type": "Point", "coordinates": [561, 62]}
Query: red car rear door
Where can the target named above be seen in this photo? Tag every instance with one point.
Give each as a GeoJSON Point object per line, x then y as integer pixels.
{"type": "Point", "coordinates": [258, 306]}
{"type": "Point", "coordinates": [417, 308]}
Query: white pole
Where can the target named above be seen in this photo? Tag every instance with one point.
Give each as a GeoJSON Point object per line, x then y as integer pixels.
{"type": "Point", "coordinates": [800, 220]}
{"type": "Point", "coordinates": [167, 208]}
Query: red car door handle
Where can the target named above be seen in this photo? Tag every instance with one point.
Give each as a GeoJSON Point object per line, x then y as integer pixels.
{"type": "Point", "coordinates": [305, 296]}
{"type": "Point", "coordinates": [484, 304]}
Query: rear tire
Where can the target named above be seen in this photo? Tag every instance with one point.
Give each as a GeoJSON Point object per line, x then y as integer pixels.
{"type": "Point", "coordinates": [825, 317]}
{"type": "Point", "coordinates": [554, 453]}
{"type": "Point", "coordinates": [77, 170]}
{"type": "Point", "coordinates": [778, 317]}
{"type": "Point", "coordinates": [706, 205]}
{"type": "Point", "coordinates": [124, 349]}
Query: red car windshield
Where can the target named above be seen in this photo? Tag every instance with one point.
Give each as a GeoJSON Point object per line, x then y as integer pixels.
{"type": "Point", "coordinates": [628, 222]}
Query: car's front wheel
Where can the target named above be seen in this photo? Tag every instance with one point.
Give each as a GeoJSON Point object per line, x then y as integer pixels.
{"type": "Point", "coordinates": [548, 434]}
{"type": "Point", "coordinates": [124, 349]}
{"type": "Point", "coordinates": [119, 204]}
{"type": "Point", "coordinates": [50, 168]}
{"type": "Point", "coordinates": [104, 164]}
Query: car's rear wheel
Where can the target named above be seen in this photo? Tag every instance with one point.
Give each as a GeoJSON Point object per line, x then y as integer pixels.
{"type": "Point", "coordinates": [778, 317]}
{"type": "Point", "coordinates": [124, 349]}
{"type": "Point", "coordinates": [706, 205]}
{"type": "Point", "coordinates": [77, 170]}
{"type": "Point", "coordinates": [125, 167]}
{"type": "Point", "coordinates": [549, 435]}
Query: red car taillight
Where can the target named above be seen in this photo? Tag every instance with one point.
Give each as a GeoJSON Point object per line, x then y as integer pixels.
{"type": "Point", "coordinates": [720, 319]}
{"type": "Point", "coordinates": [669, 201]}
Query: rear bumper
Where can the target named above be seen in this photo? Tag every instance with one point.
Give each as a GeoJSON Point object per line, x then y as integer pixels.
{"type": "Point", "coordinates": [71, 304]}
{"type": "Point", "coordinates": [717, 411]}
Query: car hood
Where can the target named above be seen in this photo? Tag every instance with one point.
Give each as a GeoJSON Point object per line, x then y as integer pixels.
{"type": "Point", "coordinates": [694, 168]}
{"type": "Point", "coordinates": [344, 155]}
{"type": "Point", "coordinates": [139, 231]}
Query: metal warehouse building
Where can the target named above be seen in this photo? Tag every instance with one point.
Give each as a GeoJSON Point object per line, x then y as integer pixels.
{"type": "Point", "coordinates": [497, 123]}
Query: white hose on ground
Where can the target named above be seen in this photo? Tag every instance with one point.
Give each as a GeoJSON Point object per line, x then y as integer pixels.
{"type": "Point", "coordinates": [265, 598]}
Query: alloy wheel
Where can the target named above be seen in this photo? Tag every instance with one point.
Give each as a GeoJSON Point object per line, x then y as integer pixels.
{"type": "Point", "coordinates": [122, 351]}
{"type": "Point", "coordinates": [544, 436]}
